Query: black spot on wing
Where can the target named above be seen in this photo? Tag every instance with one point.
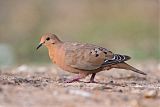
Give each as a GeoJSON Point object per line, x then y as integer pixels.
{"type": "Point", "coordinates": [97, 55]}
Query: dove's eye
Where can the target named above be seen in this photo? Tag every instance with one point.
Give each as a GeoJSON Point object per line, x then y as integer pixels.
{"type": "Point", "coordinates": [48, 39]}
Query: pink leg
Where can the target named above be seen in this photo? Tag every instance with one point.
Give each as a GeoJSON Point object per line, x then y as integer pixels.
{"type": "Point", "coordinates": [76, 78]}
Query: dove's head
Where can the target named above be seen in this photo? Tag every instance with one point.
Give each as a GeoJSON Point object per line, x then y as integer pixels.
{"type": "Point", "coordinates": [48, 39]}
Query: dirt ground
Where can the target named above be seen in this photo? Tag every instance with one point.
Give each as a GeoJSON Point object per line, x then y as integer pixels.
{"type": "Point", "coordinates": [42, 86]}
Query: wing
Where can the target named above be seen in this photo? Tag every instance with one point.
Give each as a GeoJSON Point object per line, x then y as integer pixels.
{"type": "Point", "coordinates": [89, 57]}
{"type": "Point", "coordinates": [116, 58]}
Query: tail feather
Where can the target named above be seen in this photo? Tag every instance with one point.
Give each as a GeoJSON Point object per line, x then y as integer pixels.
{"type": "Point", "coordinates": [127, 67]}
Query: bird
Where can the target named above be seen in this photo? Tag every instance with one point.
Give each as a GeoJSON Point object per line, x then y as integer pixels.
{"type": "Point", "coordinates": [83, 59]}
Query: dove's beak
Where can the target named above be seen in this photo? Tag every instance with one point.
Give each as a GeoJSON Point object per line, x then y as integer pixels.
{"type": "Point", "coordinates": [39, 46]}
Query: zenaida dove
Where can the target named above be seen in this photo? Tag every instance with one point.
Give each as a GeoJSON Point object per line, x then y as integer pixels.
{"type": "Point", "coordinates": [82, 58]}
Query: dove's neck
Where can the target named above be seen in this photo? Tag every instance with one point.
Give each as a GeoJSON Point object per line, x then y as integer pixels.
{"type": "Point", "coordinates": [55, 51]}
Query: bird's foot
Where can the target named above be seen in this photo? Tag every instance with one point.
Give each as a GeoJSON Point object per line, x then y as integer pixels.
{"type": "Point", "coordinates": [75, 78]}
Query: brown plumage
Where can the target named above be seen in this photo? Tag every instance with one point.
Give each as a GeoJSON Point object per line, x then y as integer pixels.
{"type": "Point", "coordinates": [83, 59]}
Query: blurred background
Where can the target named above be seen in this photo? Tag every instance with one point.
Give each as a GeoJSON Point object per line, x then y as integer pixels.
{"type": "Point", "coordinates": [123, 26]}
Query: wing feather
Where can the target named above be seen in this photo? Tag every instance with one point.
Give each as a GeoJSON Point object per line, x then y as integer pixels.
{"type": "Point", "coordinates": [90, 57]}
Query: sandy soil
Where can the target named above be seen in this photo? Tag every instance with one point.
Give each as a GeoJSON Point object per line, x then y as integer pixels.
{"type": "Point", "coordinates": [42, 86]}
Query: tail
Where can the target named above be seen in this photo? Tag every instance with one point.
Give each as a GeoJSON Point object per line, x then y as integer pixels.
{"type": "Point", "coordinates": [124, 65]}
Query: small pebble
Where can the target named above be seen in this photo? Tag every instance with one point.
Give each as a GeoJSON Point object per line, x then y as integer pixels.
{"type": "Point", "coordinates": [151, 94]}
